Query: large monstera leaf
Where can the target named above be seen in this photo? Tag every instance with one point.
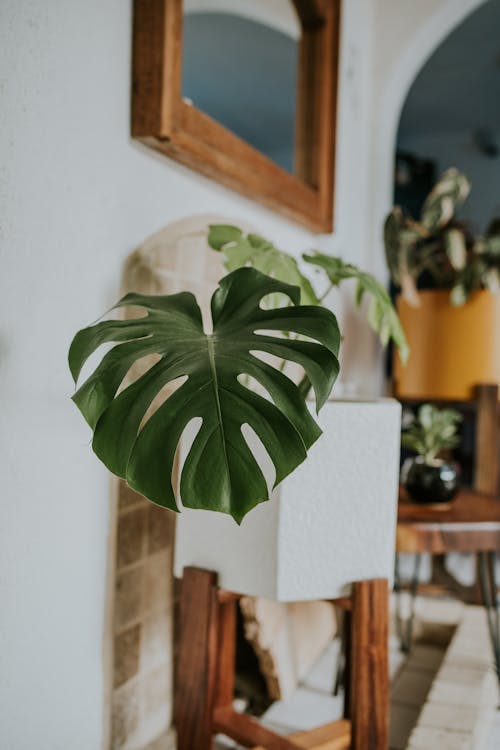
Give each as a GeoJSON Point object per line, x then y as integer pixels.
{"type": "Point", "coordinates": [220, 471]}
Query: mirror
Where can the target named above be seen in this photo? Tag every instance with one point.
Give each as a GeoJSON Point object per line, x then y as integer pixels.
{"type": "Point", "coordinates": [245, 93]}
{"type": "Point", "coordinates": [241, 69]}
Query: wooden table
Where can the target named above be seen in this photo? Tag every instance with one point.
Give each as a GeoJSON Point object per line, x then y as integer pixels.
{"type": "Point", "coordinates": [469, 524]}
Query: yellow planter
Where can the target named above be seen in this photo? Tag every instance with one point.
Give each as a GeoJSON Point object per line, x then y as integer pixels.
{"type": "Point", "coordinates": [452, 349]}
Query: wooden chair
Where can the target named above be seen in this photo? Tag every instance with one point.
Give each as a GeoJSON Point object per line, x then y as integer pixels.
{"type": "Point", "coordinates": [204, 688]}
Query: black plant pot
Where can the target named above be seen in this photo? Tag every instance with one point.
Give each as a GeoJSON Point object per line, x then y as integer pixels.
{"type": "Point", "coordinates": [430, 484]}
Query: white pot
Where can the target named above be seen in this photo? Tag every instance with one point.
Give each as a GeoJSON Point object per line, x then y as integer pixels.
{"type": "Point", "coordinates": [330, 523]}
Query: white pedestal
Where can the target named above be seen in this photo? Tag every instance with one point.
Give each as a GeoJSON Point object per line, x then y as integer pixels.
{"type": "Point", "coordinates": [330, 523]}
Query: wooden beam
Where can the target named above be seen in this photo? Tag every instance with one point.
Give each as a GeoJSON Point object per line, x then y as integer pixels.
{"type": "Point", "coordinates": [247, 731]}
{"type": "Point", "coordinates": [226, 652]}
{"type": "Point", "coordinates": [333, 736]}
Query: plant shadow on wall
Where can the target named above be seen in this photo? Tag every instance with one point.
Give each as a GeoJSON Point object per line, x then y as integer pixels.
{"type": "Point", "coordinates": [255, 313]}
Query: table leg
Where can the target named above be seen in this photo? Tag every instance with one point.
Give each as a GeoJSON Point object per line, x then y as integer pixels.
{"type": "Point", "coordinates": [489, 591]}
{"type": "Point", "coordinates": [405, 627]}
{"type": "Point", "coordinates": [493, 562]}
{"type": "Point", "coordinates": [339, 669]}
{"type": "Point", "coordinates": [343, 636]}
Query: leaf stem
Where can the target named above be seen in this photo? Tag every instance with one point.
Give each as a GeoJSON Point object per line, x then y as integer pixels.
{"type": "Point", "coordinates": [326, 293]}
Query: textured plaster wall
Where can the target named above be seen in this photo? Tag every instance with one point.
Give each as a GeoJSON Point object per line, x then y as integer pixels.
{"type": "Point", "coordinates": [76, 196]}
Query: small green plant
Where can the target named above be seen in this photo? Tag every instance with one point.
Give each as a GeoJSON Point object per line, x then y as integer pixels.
{"type": "Point", "coordinates": [432, 431]}
{"type": "Point", "coordinates": [241, 249]}
{"type": "Point", "coordinates": [442, 247]}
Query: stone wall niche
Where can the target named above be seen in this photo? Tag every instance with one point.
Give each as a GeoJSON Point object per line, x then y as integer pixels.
{"type": "Point", "coordinates": [177, 259]}
{"type": "Point", "coordinates": [173, 260]}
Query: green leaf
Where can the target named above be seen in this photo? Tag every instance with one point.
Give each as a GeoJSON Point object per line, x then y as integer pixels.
{"type": "Point", "coordinates": [492, 246]}
{"type": "Point", "coordinates": [220, 471]}
{"type": "Point", "coordinates": [433, 431]}
{"type": "Point", "coordinates": [382, 315]}
{"type": "Point", "coordinates": [222, 234]}
{"type": "Point", "coordinates": [426, 416]}
{"type": "Point", "coordinates": [492, 280]}
{"type": "Point", "coordinates": [458, 295]}
{"type": "Point", "coordinates": [446, 196]}
{"type": "Point", "coordinates": [255, 251]}
{"type": "Point", "coordinates": [456, 249]}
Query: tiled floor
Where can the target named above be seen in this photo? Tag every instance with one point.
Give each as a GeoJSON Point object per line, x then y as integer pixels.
{"type": "Point", "coordinates": [313, 703]}
{"type": "Point", "coordinates": [411, 679]}
{"type": "Point", "coordinates": [410, 686]}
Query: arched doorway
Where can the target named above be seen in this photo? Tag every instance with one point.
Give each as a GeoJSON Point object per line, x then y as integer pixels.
{"type": "Point", "coordinates": [397, 69]}
{"type": "Point", "coordinates": [451, 118]}
{"type": "Point", "coordinates": [447, 114]}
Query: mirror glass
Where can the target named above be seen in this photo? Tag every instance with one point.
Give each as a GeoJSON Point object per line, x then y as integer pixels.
{"type": "Point", "coordinates": [240, 65]}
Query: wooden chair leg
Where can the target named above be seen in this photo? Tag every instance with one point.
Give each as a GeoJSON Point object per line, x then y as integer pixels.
{"type": "Point", "coordinates": [226, 657]}
{"type": "Point", "coordinates": [205, 673]}
{"type": "Point", "coordinates": [369, 666]}
{"type": "Point", "coordinates": [197, 661]}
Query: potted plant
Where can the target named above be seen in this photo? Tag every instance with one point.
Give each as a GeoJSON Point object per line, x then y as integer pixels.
{"type": "Point", "coordinates": [249, 439]}
{"type": "Point", "coordinates": [325, 508]}
{"type": "Point", "coordinates": [428, 477]}
{"type": "Point", "coordinates": [241, 250]}
{"type": "Point", "coordinates": [449, 303]}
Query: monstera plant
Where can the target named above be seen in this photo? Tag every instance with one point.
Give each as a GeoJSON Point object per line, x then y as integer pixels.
{"type": "Point", "coordinates": [240, 249]}
{"type": "Point", "coordinates": [220, 471]}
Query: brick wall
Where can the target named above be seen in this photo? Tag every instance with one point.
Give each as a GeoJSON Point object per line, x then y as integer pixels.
{"type": "Point", "coordinates": [175, 259]}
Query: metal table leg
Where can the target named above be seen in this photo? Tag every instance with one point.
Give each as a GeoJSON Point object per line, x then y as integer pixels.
{"type": "Point", "coordinates": [405, 628]}
{"type": "Point", "coordinates": [342, 667]}
{"type": "Point", "coordinates": [489, 592]}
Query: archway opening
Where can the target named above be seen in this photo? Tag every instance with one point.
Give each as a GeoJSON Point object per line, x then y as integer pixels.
{"type": "Point", "coordinates": [451, 118]}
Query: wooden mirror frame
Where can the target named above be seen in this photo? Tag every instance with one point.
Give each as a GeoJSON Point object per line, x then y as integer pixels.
{"type": "Point", "coordinates": [165, 122]}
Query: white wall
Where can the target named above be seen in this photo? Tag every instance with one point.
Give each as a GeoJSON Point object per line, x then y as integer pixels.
{"type": "Point", "coordinates": [460, 150]}
{"type": "Point", "coordinates": [76, 196]}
